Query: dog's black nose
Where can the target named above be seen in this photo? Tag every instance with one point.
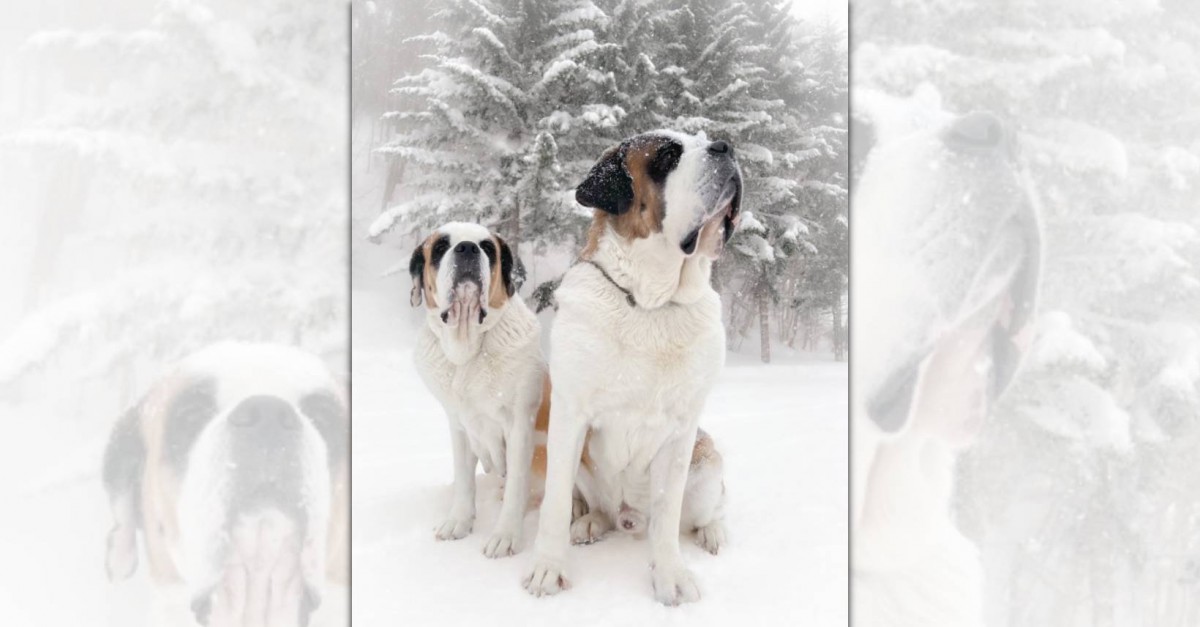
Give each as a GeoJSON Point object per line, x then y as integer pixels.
{"type": "Point", "coordinates": [265, 415]}
{"type": "Point", "coordinates": [627, 524]}
{"type": "Point", "coordinates": [720, 148]}
{"type": "Point", "coordinates": [466, 248]}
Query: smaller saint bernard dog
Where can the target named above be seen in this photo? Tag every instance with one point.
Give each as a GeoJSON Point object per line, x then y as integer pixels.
{"type": "Point", "coordinates": [479, 353]}
{"type": "Point", "coordinates": [636, 346]}
{"type": "Point", "coordinates": [234, 471]}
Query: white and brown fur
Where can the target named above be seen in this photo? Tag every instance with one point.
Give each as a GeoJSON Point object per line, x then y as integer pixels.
{"type": "Point", "coordinates": [479, 353]}
{"type": "Point", "coordinates": [630, 380]}
{"type": "Point", "coordinates": [929, 381]}
{"type": "Point", "coordinates": [234, 470]}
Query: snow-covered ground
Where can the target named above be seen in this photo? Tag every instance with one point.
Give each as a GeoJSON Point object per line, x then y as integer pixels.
{"type": "Point", "coordinates": [781, 428]}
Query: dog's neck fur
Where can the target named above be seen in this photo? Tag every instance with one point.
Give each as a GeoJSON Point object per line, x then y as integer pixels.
{"type": "Point", "coordinates": [512, 322]}
{"type": "Point", "coordinates": [653, 270]}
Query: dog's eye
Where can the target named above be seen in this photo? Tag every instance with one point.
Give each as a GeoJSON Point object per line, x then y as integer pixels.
{"type": "Point", "coordinates": [489, 249]}
{"type": "Point", "coordinates": [187, 416]}
{"type": "Point", "coordinates": [328, 416]}
{"type": "Point", "coordinates": [665, 161]}
{"type": "Point", "coordinates": [439, 250]}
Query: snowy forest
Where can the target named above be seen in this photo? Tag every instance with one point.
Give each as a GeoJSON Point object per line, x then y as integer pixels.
{"type": "Point", "coordinates": [1082, 491]}
{"type": "Point", "coordinates": [493, 110]}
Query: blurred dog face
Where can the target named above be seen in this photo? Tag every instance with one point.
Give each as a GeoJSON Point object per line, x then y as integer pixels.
{"type": "Point", "coordinates": [953, 247]}
{"type": "Point", "coordinates": [682, 189]}
{"type": "Point", "coordinates": [461, 272]}
{"type": "Point", "coordinates": [235, 466]}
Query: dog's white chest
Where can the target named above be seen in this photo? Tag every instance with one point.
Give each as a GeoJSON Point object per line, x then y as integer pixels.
{"type": "Point", "coordinates": [641, 377]}
{"type": "Point", "coordinates": [481, 394]}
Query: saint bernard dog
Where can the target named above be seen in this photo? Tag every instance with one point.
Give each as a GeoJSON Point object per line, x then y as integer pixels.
{"type": "Point", "coordinates": [636, 346]}
{"type": "Point", "coordinates": [479, 353]}
{"type": "Point", "coordinates": [946, 315]}
{"type": "Point", "coordinates": [234, 471]}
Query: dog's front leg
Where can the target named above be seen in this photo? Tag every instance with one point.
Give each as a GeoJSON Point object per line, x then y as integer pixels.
{"type": "Point", "coordinates": [564, 443]}
{"type": "Point", "coordinates": [462, 511]}
{"type": "Point", "coordinates": [673, 582]}
{"type": "Point", "coordinates": [507, 535]}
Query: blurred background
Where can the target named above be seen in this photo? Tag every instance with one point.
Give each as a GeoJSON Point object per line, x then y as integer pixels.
{"type": "Point", "coordinates": [174, 173]}
{"type": "Point", "coordinates": [1081, 490]}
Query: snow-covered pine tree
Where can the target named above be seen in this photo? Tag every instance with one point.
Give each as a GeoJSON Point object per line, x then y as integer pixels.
{"type": "Point", "coordinates": [508, 117]}
{"type": "Point", "coordinates": [208, 196]}
{"type": "Point", "coordinates": [517, 101]}
{"type": "Point", "coordinates": [1079, 486]}
{"type": "Point", "coordinates": [738, 71]}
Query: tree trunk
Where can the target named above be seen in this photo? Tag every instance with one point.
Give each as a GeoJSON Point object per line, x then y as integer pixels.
{"type": "Point", "coordinates": [764, 319]}
{"type": "Point", "coordinates": [839, 329]}
{"type": "Point", "coordinates": [516, 227]}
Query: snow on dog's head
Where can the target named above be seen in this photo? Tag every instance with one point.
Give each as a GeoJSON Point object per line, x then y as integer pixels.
{"type": "Point", "coordinates": [461, 272]}
{"type": "Point", "coordinates": [235, 458]}
{"type": "Point", "coordinates": [681, 189]}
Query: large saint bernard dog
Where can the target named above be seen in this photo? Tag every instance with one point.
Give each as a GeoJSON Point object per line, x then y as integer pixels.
{"type": "Point", "coordinates": [637, 344]}
{"type": "Point", "coordinates": [480, 354]}
{"type": "Point", "coordinates": [234, 470]}
{"type": "Point", "coordinates": [946, 315]}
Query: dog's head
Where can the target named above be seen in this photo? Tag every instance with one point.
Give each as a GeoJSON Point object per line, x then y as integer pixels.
{"type": "Point", "coordinates": [683, 190]}
{"type": "Point", "coordinates": [235, 462]}
{"type": "Point", "coordinates": [461, 272]}
{"type": "Point", "coordinates": [951, 243]}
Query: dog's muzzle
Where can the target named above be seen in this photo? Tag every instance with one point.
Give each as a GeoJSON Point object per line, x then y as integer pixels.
{"type": "Point", "coordinates": [466, 293]}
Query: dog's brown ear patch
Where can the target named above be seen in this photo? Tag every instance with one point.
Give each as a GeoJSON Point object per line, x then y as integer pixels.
{"type": "Point", "coordinates": [502, 285]}
{"type": "Point", "coordinates": [640, 211]}
{"type": "Point", "coordinates": [416, 270]}
{"type": "Point", "coordinates": [424, 274]}
{"type": "Point", "coordinates": [124, 464]}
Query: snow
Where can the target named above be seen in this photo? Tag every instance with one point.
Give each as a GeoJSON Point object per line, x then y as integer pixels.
{"type": "Point", "coordinates": [1058, 342]}
{"type": "Point", "coordinates": [782, 430]}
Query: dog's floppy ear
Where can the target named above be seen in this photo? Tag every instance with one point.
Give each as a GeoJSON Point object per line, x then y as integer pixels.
{"type": "Point", "coordinates": [608, 185]}
{"type": "Point", "coordinates": [416, 268]}
{"type": "Point", "coordinates": [508, 264]}
{"type": "Point", "coordinates": [124, 462]}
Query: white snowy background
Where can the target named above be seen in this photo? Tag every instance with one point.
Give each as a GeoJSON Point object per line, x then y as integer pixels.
{"type": "Point", "coordinates": [782, 427]}
{"type": "Point", "coordinates": [171, 174]}
{"type": "Point", "coordinates": [1082, 491]}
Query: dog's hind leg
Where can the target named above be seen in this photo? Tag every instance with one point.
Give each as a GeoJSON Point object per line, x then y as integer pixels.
{"type": "Point", "coordinates": [591, 527]}
{"type": "Point", "coordinates": [579, 505]}
{"type": "Point", "coordinates": [704, 498]}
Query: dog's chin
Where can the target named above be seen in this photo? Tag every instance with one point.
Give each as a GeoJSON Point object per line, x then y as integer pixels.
{"type": "Point", "coordinates": [271, 570]}
{"type": "Point", "coordinates": [709, 238]}
{"type": "Point", "coordinates": [467, 306]}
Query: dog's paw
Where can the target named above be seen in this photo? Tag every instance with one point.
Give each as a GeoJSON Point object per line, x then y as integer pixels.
{"type": "Point", "coordinates": [502, 544]}
{"type": "Point", "coordinates": [455, 528]}
{"type": "Point", "coordinates": [711, 537]}
{"type": "Point", "coordinates": [547, 577]}
{"type": "Point", "coordinates": [673, 586]}
{"type": "Point", "coordinates": [590, 528]}
{"type": "Point", "coordinates": [579, 508]}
